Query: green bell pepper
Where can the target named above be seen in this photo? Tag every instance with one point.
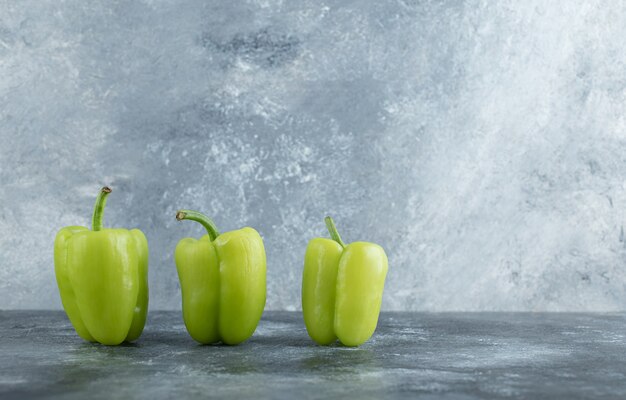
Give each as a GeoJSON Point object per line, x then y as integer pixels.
{"type": "Point", "coordinates": [102, 276]}
{"type": "Point", "coordinates": [222, 280]}
{"type": "Point", "coordinates": [342, 289]}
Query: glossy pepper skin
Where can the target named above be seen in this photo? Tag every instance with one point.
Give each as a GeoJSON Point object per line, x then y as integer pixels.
{"type": "Point", "coordinates": [222, 280]}
{"type": "Point", "coordinates": [342, 289]}
{"type": "Point", "coordinates": [102, 276]}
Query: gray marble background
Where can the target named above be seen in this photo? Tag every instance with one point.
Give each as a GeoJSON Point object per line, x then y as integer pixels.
{"type": "Point", "coordinates": [482, 143]}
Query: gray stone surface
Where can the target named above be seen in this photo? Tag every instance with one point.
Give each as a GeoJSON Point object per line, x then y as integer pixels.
{"type": "Point", "coordinates": [425, 355]}
{"type": "Point", "coordinates": [481, 143]}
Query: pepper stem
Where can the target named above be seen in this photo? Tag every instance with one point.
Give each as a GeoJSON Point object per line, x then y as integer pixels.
{"type": "Point", "coordinates": [98, 210]}
{"type": "Point", "coordinates": [332, 229]}
{"type": "Point", "coordinates": [205, 221]}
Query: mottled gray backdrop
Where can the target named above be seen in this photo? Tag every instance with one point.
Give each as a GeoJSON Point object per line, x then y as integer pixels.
{"type": "Point", "coordinates": [482, 143]}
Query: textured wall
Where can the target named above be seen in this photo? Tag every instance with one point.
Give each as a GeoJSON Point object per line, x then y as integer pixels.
{"type": "Point", "coordinates": [483, 144]}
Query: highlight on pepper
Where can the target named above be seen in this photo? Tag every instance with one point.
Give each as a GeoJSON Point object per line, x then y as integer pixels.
{"type": "Point", "coordinates": [102, 276]}
{"type": "Point", "coordinates": [222, 280]}
{"type": "Point", "coordinates": [342, 288]}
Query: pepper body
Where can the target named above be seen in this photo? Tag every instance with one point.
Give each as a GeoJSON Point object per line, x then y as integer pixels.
{"type": "Point", "coordinates": [102, 277]}
{"type": "Point", "coordinates": [223, 283]}
{"type": "Point", "coordinates": [342, 288]}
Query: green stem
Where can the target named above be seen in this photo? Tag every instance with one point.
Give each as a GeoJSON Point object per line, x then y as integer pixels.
{"type": "Point", "coordinates": [98, 210]}
{"type": "Point", "coordinates": [208, 224]}
{"type": "Point", "coordinates": [332, 229]}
